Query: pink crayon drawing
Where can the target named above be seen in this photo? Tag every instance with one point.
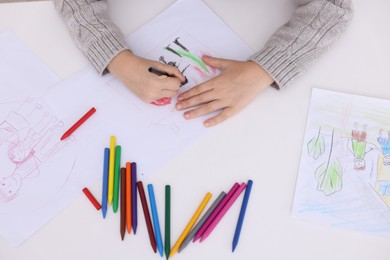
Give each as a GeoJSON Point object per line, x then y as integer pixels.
{"type": "Point", "coordinates": [28, 134]}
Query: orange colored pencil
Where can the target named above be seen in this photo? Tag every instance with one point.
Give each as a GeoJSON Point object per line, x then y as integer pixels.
{"type": "Point", "coordinates": [128, 197]}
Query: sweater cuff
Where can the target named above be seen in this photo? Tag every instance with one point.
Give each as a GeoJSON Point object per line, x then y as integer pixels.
{"type": "Point", "coordinates": [278, 63]}
{"type": "Point", "coordinates": [101, 52]}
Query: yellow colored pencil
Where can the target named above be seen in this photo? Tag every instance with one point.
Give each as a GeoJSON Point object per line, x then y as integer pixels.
{"type": "Point", "coordinates": [111, 169]}
{"type": "Point", "coordinates": [190, 224]}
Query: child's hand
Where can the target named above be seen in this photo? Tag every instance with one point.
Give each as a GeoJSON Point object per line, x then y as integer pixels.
{"type": "Point", "coordinates": [133, 72]}
{"type": "Point", "coordinates": [237, 85]}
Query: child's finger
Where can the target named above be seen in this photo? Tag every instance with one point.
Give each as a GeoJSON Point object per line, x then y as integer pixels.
{"type": "Point", "coordinates": [225, 114]}
{"type": "Point", "coordinates": [204, 109]}
{"type": "Point", "coordinates": [170, 70]}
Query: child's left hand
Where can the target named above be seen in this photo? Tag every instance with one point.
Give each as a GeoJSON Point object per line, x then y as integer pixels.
{"type": "Point", "coordinates": [237, 85]}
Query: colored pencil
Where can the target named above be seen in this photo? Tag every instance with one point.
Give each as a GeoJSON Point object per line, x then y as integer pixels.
{"type": "Point", "coordinates": [134, 218]}
{"type": "Point", "coordinates": [148, 221]}
{"type": "Point", "coordinates": [105, 181]}
{"type": "Point", "coordinates": [222, 212]}
{"type": "Point", "coordinates": [123, 203]}
{"type": "Point", "coordinates": [78, 123]}
{"type": "Point", "coordinates": [206, 215]}
{"type": "Point", "coordinates": [167, 240]}
{"type": "Point", "coordinates": [111, 169]}
{"type": "Point", "coordinates": [156, 223]}
{"type": "Point", "coordinates": [128, 197]}
{"type": "Point", "coordinates": [92, 199]}
{"type": "Point", "coordinates": [190, 224]}
{"type": "Point", "coordinates": [117, 171]}
{"type": "Point", "coordinates": [216, 211]}
{"type": "Point", "coordinates": [242, 214]}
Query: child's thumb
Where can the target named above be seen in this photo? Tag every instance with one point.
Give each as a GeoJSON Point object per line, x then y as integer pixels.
{"type": "Point", "coordinates": [214, 62]}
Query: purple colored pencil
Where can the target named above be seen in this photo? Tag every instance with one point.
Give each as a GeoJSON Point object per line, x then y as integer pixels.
{"type": "Point", "coordinates": [134, 220]}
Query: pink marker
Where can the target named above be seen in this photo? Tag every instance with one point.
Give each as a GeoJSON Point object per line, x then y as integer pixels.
{"type": "Point", "coordinates": [223, 212]}
{"type": "Point", "coordinates": [213, 215]}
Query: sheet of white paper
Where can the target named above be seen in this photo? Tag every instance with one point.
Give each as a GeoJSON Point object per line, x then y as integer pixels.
{"type": "Point", "coordinates": [150, 134]}
{"type": "Point", "coordinates": [32, 189]}
{"type": "Point", "coordinates": [22, 73]}
{"type": "Point", "coordinates": [344, 173]}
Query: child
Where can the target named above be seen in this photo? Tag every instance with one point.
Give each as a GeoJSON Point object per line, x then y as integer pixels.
{"type": "Point", "coordinates": [313, 27]}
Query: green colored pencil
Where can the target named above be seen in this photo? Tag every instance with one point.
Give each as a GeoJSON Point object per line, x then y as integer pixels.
{"type": "Point", "coordinates": [167, 220]}
{"type": "Point", "coordinates": [116, 178]}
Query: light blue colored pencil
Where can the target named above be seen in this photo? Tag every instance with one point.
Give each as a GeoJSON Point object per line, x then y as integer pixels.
{"type": "Point", "coordinates": [156, 224]}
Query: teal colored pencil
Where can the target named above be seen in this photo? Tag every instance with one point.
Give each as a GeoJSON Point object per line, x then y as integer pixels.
{"type": "Point", "coordinates": [167, 220]}
{"type": "Point", "coordinates": [117, 170]}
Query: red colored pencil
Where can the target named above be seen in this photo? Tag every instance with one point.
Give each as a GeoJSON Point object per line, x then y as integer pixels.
{"type": "Point", "coordinates": [92, 199]}
{"type": "Point", "coordinates": [78, 123]}
{"type": "Point", "coordinates": [123, 203]}
{"type": "Point", "coordinates": [147, 215]}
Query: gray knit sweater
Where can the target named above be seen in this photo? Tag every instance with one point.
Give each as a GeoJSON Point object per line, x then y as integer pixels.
{"type": "Point", "coordinates": [314, 25]}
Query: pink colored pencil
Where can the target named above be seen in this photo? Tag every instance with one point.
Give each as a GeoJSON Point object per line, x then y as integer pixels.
{"type": "Point", "coordinates": [223, 212]}
{"type": "Point", "coordinates": [199, 234]}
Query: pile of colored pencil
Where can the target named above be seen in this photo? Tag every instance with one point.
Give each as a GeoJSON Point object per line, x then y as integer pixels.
{"type": "Point", "coordinates": [120, 184]}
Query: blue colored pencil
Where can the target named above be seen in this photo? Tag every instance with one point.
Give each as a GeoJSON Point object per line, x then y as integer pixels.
{"type": "Point", "coordinates": [105, 181]}
{"type": "Point", "coordinates": [242, 214]}
{"type": "Point", "coordinates": [156, 224]}
{"type": "Point", "coordinates": [134, 220]}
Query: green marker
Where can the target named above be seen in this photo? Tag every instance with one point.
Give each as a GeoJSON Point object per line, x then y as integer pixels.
{"type": "Point", "coordinates": [167, 241]}
{"type": "Point", "coordinates": [117, 170]}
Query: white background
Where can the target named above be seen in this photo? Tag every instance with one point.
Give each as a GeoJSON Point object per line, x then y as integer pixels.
{"type": "Point", "coordinates": [263, 143]}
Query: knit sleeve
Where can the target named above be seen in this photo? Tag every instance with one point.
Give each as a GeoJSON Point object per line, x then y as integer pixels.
{"type": "Point", "coordinates": [94, 33]}
{"type": "Point", "coordinates": [311, 30]}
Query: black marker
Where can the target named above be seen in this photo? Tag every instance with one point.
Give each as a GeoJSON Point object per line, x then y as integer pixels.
{"type": "Point", "coordinates": [163, 73]}
{"type": "Point", "coordinates": [157, 72]}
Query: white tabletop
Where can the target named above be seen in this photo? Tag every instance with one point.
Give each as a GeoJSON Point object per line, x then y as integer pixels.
{"type": "Point", "coordinates": [263, 143]}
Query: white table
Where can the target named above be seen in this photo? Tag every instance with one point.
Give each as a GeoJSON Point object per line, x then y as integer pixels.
{"type": "Point", "coordinates": [262, 143]}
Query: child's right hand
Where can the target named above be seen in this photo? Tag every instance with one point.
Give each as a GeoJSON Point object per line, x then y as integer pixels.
{"type": "Point", "coordinates": [133, 71]}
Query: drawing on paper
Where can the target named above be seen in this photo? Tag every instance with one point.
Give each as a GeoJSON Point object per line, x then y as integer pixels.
{"type": "Point", "coordinates": [27, 137]}
{"type": "Point", "coordinates": [344, 174]}
{"type": "Point", "coordinates": [184, 52]}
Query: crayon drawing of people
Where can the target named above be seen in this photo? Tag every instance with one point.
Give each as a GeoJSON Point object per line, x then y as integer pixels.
{"type": "Point", "coordinates": [27, 132]}
{"type": "Point", "coordinates": [359, 147]}
{"type": "Point", "coordinates": [383, 181]}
